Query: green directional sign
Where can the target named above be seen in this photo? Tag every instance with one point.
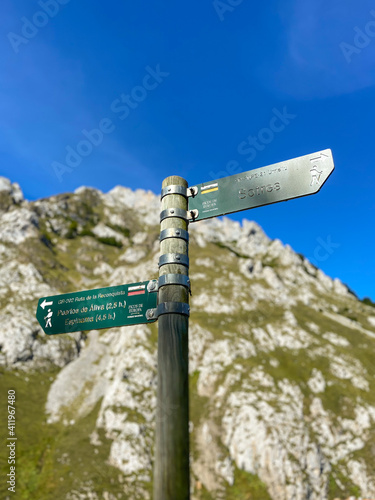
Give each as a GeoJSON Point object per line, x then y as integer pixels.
{"type": "Point", "coordinates": [100, 308]}
{"type": "Point", "coordinates": [262, 186]}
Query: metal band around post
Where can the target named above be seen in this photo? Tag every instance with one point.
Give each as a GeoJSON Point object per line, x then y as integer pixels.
{"type": "Point", "coordinates": [174, 279]}
{"type": "Point", "coordinates": [173, 307]}
{"type": "Point", "coordinates": [174, 258]}
{"type": "Point", "coordinates": [174, 233]}
{"type": "Point", "coordinates": [174, 212]}
{"type": "Point", "coordinates": [168, 308]}
{"type": "Point", "coordinates": [174, 190]}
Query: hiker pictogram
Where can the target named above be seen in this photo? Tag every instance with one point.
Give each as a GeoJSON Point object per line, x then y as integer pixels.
{"type": "Point", "coordinates": [315, 175]}
{"type": "Point", "coordinates": [48, 318]}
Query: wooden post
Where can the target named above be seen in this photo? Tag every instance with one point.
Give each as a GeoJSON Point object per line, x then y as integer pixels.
{"type": "Point", "coordinates": [171, 467]}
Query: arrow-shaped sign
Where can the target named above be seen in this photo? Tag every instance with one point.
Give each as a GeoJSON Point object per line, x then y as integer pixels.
{"type": "Point", "coordinates": [279, 182]}
{"type": "Point", "coordinates": [100, 308]}
{"type": "Point", "coordinates": [45, 303]}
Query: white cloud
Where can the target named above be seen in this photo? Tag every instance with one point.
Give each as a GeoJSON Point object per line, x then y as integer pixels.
{"type": "Point", "coordinates": [310, 63]}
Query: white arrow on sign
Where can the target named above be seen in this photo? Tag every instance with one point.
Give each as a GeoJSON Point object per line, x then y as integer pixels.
{"type": "Point", "coordinates": [45, 303]}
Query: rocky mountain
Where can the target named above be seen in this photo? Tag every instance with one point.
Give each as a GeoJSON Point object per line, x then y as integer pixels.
{"type": "Point", "coordinates": [281, 359]}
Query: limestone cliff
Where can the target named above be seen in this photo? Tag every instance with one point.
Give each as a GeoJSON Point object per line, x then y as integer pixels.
{"type": "Point", "coordinates": [281, 359]}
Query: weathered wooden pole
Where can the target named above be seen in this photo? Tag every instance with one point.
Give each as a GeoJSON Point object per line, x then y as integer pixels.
{"type": "Point", "coordinates": [171, 468]}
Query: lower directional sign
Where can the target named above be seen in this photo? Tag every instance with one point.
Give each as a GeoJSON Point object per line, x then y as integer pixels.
{"type": "Point", "coordinates": [279, 182]}
{"type": "Point", "coordinates": [100, 308]}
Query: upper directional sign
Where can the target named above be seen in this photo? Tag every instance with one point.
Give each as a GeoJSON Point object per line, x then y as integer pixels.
{"type": "Point", "coordinates": [279, 182]}
{"type": "Point", "coordinates": [100, 308]}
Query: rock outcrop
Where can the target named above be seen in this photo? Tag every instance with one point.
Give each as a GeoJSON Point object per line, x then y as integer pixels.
{"type": "Point", "coordinates": [281, 364]}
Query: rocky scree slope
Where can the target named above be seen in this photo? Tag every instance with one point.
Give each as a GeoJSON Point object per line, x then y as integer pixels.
{"type": "Point", "coordinates": [281, 358]}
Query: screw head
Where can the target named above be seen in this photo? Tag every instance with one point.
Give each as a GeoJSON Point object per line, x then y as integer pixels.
{"type": "Point", "coordinates": [172, 211]}
{"type": "Point", "coordinates": [177, 257]}
{"type": "Point", "coordinates": [178, 232]}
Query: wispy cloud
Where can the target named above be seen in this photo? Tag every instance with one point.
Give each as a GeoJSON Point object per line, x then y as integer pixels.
{"type": "Point", "coordinates": [310, 63]}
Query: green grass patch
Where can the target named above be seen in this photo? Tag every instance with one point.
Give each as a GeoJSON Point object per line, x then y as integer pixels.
{"type": "Point", "coordinates": [368, 302]}
{"type": "Point", "coordinates": [119, 229]}
{"type": "Point", "coordinates": [47, 262]}
{"type": "Point", "coordinates": [231, 250]}
{"type": "Point", "coordinates": [72, 229]}
{"type": "Point", "coordinates": [202, 493]}
{"type": "Point", "coordinates": [271, 262]}
{"type": "Point", "coordinates": [198, 405]}
{"type": "Point", "coordinates": [246, 486]}
{"type": "Point", "coordinates": [53, 459]}
{"type": "Point", "coordinates": [335, 491]}
{"type": "Point", "coordinates": [111, 241]}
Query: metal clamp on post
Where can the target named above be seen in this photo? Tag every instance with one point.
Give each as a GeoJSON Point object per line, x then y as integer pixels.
{"type": "Point", "coordinates": [174, 212]}
{"type": "Point", "coordinates": [174, 258]}
{"type": "Point", "coordinates": [174, 190]}
{"type": "Point", "coordinates": [153, 286]}
{"type": "Point", "coordinates": [174, 233]}
{"type": "Point", "coordinates": [174, 279]}
{"type": "Point", "coordinates": [193, 215]}
{"type": "Point", "coordinates": [192, 191]}
{"type": "Point", "coordinates": [168, 308]}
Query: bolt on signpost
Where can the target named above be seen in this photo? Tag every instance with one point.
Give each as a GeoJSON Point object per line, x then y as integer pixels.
{"type": "Point", "coordinates": [167, 299]}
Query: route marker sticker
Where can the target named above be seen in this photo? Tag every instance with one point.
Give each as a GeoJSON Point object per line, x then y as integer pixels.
{"type": "Point", "coordinates": [95, 309]}
{"type": "Point", "coordinates": [263, 186]}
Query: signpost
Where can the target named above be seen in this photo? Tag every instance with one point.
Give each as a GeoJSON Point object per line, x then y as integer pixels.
{"type": "Point", "coordinates": [100, 308]}
{"type": "Point", "coordinates": [279, 182]}
{"type": "Point", "coordinates": [167, 299]}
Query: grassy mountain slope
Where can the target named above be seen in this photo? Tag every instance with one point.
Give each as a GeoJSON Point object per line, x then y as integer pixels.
{"type": "Point", "coordinates": [281, 359]}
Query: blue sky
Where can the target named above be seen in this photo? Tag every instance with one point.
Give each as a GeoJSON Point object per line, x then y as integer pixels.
{"type": "Point", "coordinates": [202, 77]}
